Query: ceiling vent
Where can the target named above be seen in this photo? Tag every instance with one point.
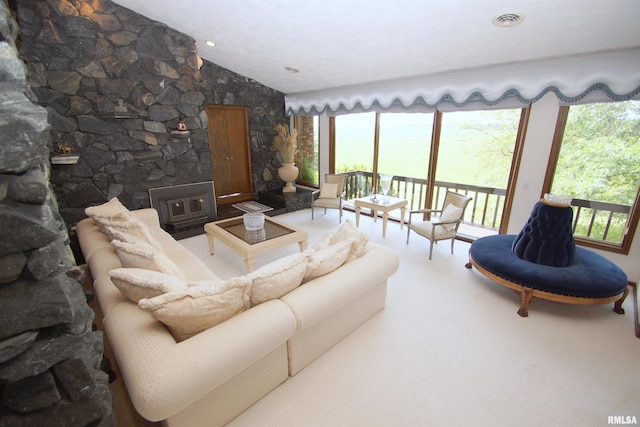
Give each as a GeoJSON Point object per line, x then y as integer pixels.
{"type": "Point", "coordinates": [508, 20]}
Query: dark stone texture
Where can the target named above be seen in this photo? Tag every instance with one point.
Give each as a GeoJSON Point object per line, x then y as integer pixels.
{"type": "Point", "coordinates": [34, 233]}
{"type": "Point", "coordinates": [67, 82]}
{"type": "Point", "coordinates": [31, 393]}
{"type": "Point", "coordinates": [76, 378]}
{"type": "Point", "coordinates": [85, 412]}
{"type": "Point", "coordinates": [24, 129]}
{"type": "Point", "coordinates": [11, 266]}
{"type": "Point", "coordinates": [162, 113]}
{"type": "Point", "coordinates": [126, 85]}
{"type": "Point", "coordinates": [30, 187]}
{"type": "Point", "coordinates": [16, 344]}
{"type": "Point", "coordinates": [27, 305]}
{"type": "Point", "coordinates": [44, 261]}
{"type": "Point", "coordinates": [44, 353]}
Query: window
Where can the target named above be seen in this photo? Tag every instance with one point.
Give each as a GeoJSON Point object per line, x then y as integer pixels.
{"type": "Point", "coordinates": [595, 160]}
{"type": "Point", "coordinates": [404, 144]}
{"type": "Point", "coordinates": [354, 142]}
{"type": "Point", "coordinates": [475, 154]}
{"type": "Point", "coordinates": [307, 149]}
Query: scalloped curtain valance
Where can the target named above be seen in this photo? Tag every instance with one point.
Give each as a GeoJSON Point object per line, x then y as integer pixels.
{"type": "Point", "coordinates": [599, 77]}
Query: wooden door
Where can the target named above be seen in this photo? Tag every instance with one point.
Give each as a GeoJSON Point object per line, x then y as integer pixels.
{"type": "Point", "coordinates": [228, 133]}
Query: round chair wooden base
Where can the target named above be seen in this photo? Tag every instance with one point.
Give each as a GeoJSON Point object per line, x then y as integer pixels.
{"type": "Point", "coordinates": [528, 294]}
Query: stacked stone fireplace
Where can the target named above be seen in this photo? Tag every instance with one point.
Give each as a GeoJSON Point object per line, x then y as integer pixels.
{"type": "Point", "coordinates": [50, 357]}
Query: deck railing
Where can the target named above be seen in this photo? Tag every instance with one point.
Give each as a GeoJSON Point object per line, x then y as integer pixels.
{"type": "Point", "coordinates": [594, 220]}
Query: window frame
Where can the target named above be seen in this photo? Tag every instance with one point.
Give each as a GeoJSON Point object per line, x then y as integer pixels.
{"type": "Point", "coordinates": [523, 123]}
{"type": "Point", "coordinates": [634, 215]}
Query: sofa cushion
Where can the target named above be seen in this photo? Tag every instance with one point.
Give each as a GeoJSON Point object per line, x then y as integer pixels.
{"type": "Point", "coordinates": [326, 260]}
{"type": "Point", "coordinates": [111, 210]}
{"type": "Point", "coordinates": [136, 234]}
{"type": "Point", "coordinates": [279, 277]}
{"type": "Point", "coordinates": [195, 309]}
{"type": "Point", "coordinates": [145, 256]}
{"type": "Point", "coordinates": [138, 283]}
{"type": "Point", "coordinates": [347, 231]}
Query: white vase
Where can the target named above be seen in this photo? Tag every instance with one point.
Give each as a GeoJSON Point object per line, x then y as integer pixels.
{"type": "Point", "coordinates": [288, 172]}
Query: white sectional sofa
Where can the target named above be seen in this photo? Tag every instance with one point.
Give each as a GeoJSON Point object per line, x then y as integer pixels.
{"type": "Point", "coordinates": [211, 377]}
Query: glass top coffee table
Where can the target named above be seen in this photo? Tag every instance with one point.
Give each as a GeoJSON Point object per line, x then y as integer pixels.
{"type": "Point", "coordinates": [250, 243]}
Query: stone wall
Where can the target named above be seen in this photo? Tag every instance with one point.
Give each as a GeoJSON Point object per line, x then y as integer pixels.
{"type": "Point", "coordinates": [49, 356]}
{"type": "Point", "coordinates": [115, 84]}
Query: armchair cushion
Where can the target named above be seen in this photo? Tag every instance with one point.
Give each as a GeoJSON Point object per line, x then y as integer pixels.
{"type": "Point", "coordinates": [424, 229]}
{"type": "Point", "coordinates": [328, 191]}
{"type": "Point", "coordinates": [450, 213]}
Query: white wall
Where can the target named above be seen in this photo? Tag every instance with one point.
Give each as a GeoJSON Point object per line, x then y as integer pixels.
{"type": "Point", "coordinates": [530, 180]}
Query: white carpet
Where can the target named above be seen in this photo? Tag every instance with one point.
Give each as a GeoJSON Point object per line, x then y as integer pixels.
{"type": "Point", "coordinates": [450, 350]}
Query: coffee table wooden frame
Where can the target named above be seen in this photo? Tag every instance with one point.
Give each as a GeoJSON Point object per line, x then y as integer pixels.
{"type": "Point", "coordinates": [216, 230]}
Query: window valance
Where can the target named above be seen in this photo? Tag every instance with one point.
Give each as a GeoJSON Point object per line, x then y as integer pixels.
{"type": "Point", "coordinates": [599, 77]}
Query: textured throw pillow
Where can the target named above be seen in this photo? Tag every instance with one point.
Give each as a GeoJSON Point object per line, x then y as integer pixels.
{"type": "Point", "coordinates": [195, 309]}
{"type": "Point", "coordinates": [135, 234]}
{"type": "Point", "coordinates": [146, 257]}
{"type": "Point", "coordinates": [328, 191]}
{"type": "Point", "coordinates": [279, 277]}
{"type": "Point", "coordinates": [450, 213]}
{"type": "Point", "coordinates": [324, 261]}
{"type": "Point", "coordinates": [325, 242]}
{"type": "Point", "coordinates": [347, 231]}
{"type": "Point", "coordinates": [137, 283]}
{"type": "Point", "coordinates": [112, 210]}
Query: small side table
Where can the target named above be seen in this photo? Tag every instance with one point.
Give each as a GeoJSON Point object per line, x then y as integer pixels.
{"type": "Point", "coordinates": [379, 206]}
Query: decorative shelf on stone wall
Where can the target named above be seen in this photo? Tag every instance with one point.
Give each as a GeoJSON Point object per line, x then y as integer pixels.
{"type": "Point", "coordinates": [118, 116]}
{"type": "Point", "coordinates": [65, 159]}
{"type": "Point", "coordinates": [180, 133]}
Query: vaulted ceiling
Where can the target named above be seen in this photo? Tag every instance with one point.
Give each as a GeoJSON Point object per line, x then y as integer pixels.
{"type": "Point", "coordinates": [335, 43]}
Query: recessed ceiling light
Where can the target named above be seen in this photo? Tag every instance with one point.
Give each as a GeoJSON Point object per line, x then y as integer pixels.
{"type": "Point", "coordinates": [210, 43]}
{"type": "Point", "coordinates": [507, 20]}
{"type": "Point", "coordinates": [292, 70]}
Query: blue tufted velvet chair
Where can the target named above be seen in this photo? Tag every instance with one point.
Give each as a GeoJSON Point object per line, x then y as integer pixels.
{"type": "Point", "coordinates": [543, 261]}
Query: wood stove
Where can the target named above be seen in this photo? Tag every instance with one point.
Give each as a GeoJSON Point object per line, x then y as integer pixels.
{"type": "Point", "coordinates": [184, 209]}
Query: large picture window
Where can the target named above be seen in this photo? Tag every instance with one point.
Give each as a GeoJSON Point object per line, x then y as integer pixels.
{"type": "Point", "coordinates": [472, 153]}
{"type": "Point", "coordinates": [595, 160]}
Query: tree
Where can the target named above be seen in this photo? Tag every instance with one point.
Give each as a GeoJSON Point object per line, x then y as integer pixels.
{"type": "Point", "coordinates": [600, 154]}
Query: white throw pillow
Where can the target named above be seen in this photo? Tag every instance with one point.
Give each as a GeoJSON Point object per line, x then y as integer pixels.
{"type": "Point", "coordinates": [111, 210]}
{"type": "Point", "coordinates": [137, 283]}
{"type": "Point", "coordinates": [279, 277]}
{"type": "Point", "coordinates": [135, 234]}
{"type": "Point", "coordinates": [324, 242]}
{"type": "Point", "coordinates": [347, 231]}
{"type": "Point", "coordinates": [328, 191]}
{"type": "Point", "coordinates": [195, 309]}
{"type": "Point", "coordinates": [145, 256]}
{"type": "Point", "coordinates": [450, 213]}
{"type": "Point", "coordinates": [324, 261]}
